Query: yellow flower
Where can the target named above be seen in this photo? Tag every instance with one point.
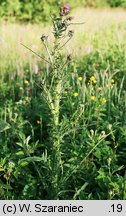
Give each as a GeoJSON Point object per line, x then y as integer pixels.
{"type": "Point", "coordinates": [21, 88]}
{"type": "Point", "coordinates": [26, 82]}
{"type": "Point", "coordinates": [75, 94]}
{"type": "Point", "coordinates": [103, 100]}
{"type": "Point", "coordinates": [93, 79]}
{"type": "Point", "coordinates": [38, 122]}
{"type": "Point", "coordinates": [99, 88]}
{"type": "Point", "coordinates": [112, 81]}
{"type": "Point", "coordinates": [80, 78]}
{"type": "Point", "coordinates": [92, 89]}
{"type": "Point", "coordinates": [92, 97]}
{"type": "Point", "coordinates": [107, 86]}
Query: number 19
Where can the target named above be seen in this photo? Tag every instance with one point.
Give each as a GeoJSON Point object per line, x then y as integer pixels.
{"type": "Point", "coordinates": [116, 208]}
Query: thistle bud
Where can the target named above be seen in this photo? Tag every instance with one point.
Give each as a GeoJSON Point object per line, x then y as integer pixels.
{"type": "Point", "coordinates": [43, 38]}
{"type": "Point", "coordinates": [71, 33]}
{"type": "Point", "coordinates": [70, 18]}
{"type": "Point", "coordinates": [69, 57]}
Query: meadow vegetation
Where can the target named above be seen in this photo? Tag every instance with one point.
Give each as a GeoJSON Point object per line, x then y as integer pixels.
{"type": "Point", "coordinates": [36, 11]}
{"type": "Point", "coordinates": [63, 135]}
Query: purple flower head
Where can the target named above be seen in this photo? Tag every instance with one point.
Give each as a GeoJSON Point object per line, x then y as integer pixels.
{"type": "Point", "coordinates": [36, 69]}
{"type": "Point", "coordinates": [29, 89]}
{"type": "Point", "coordinates": [65, 10]}
{"type": "Point", "coordinates": [88, 49]}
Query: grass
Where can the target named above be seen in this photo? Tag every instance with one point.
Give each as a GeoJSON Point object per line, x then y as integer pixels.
{"type": "Point", "coordinates": [95, 22]}
{"type": "Point", "coordinates": [92, 112]}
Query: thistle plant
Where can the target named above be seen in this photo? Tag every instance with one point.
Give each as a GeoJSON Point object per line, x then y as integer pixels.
{"type": "Point", "coordinates": [52, 85]}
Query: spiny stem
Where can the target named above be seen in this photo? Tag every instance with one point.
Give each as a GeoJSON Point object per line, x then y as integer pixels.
{"type": "Point", "coordinates": [47, 49]}
{"type": "Point", "coordinates": [65, 43]}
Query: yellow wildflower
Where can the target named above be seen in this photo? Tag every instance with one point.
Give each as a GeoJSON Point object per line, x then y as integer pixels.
{"type": "Point", "coordinates": [21, 88]}
{"type": "Point", "coordinates": [92, 97]}
{"type": "Point", "coordinates": [103, 100]}
{"type": "Point", "coordinates": [107, 86]}
{"type": "Point", "coordinates": [75, 94]}
{"type": "Point", "coordinates": [26, 82]}
{"type": "Point", "coordinates": [92, 89]}
{"type": "Point", "coordinates": [112, 81]}
{"type": "Point", "coordinates": [99, 88]}
{"type": "Point", "coordinates": [93, 79]}
{"type": "Point", "coordinates": [80, 78]}
{"type": "Point", "coordinates": [38, 122]}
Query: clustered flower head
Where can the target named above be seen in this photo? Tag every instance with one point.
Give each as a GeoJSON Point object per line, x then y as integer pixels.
{"type": "Point", "coordinates": [21, 88]}
{"type": "Point", "coordinates": [103, 100]}
{"type": "Point", "coordinates": [75, 94]}
{"type": "Point", "coordinates": [26, 82]}
{"type": "Point", "coordinates": [92, 97]}
{"type": "Point", "coordinates": [80, 78]}
{"type": "Point", "coordinates": [64, 10]}
{"type": "Point", "coordinates": [112, 81]}
{"type": "Point", "coordinates": [61, 23]}
{"type": "Point", "coordinates": [93, 79]}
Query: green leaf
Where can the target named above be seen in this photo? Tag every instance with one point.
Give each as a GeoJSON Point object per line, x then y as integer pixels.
{"type": "Point", "coordinates": [5, 186]}
{"type": "Point", "coordinates": [22, 163]}
{"type": "Point", "coordinates": [22, 136]}
{"type": "Point", "coordinates": [19, 144]}
{"type": "Point", "coordinates": [4, 126]}
{"type": "Point", "coordinates": [20, 153]}
{"type": "Point", "coordinates": [31, 159]}
{"type": "Point", "coordinates": [81, 189]}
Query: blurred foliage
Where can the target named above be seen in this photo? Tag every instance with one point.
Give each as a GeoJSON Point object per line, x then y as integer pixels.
{"type": "Point", "coordinates": [36, 11]}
